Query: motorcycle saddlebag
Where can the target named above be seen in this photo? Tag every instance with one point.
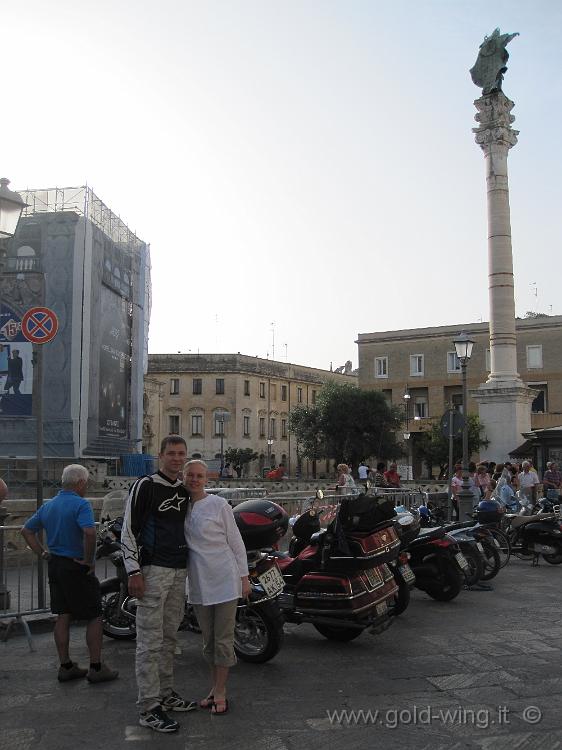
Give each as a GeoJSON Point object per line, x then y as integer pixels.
{"type": "Point", "coordinates": [261, 523]}
{"type": "Point", "coordinates": [356, 595]}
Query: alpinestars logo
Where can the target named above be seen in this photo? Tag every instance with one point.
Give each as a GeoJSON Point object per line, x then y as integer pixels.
{"type": "Point", "coordinates": [172, 503]}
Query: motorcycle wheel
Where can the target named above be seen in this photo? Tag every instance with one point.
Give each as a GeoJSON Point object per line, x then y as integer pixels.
{"type": "Point", "coordinates": [475, 569]}
{"type": "Point", "coordinates": [517, 549]}
{"type": "Point", "coordinates": [554, 559]}
{"type": "Point", "coordinates": [258, 633]}
{"type": "Point", "coordinates": [343, 635]}
{"type": "Point", "coordinates": [402, 598]}
{"type": "Point", "coordinates": [492, 562]}
{"type": "Point", "coordinates": [114, 622]}
{"type": "Point", "coordinates": [448, 584]}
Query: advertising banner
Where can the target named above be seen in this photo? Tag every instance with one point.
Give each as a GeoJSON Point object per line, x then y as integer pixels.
{"type": "Point", "coordinates": [16, 368]}
{"type": "Point", "coordinates": [115, 364]}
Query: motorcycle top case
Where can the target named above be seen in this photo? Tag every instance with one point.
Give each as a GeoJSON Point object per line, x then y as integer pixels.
{"type": "Point", "coordinates": [261, 523]}
{"type": "Point", "coordinates": [407, 532]}
{"type": "Point", "coordinates": [363, 550]}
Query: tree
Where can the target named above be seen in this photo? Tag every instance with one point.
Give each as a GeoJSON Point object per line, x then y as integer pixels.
{"type": "Point", "coordinates": [433, 446]}
{"type": "Point", "coordinates": [348, 424]}
{"type": "Point", "coordinates": [239, 456]}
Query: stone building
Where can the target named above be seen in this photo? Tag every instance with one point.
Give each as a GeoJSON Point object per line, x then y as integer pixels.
{"type": "Point", "coordinates": [234, 400]}
{"type": "Point", "coordinates": [422, 361]}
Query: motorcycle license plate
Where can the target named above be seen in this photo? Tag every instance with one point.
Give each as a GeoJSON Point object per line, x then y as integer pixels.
{"type": "Point", "coordinates": [480, 547]}
{"type": "Point", "coordinates": [407, 573]}
{"type": "Point", "coordinates": [382, 608]}
{"type": "Point", "coordinates": [461, 559]}
{"type": "Point", "coordinates": [374, 577]}
{"type": "Point", "coordinates": [272, 581]}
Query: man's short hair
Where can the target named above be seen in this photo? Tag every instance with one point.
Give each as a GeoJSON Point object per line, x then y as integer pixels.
{"type": "Point", "coordinates": [172, 440]}
{"type": "Point", "coordinates": [73, 474]}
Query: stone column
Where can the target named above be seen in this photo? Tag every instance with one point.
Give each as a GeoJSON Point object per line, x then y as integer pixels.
{"type": "Point", "coordinates": [504, 400]}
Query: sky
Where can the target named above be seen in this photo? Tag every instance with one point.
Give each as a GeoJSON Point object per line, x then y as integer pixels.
{"type": "Point", "coordinates": [303, 171]}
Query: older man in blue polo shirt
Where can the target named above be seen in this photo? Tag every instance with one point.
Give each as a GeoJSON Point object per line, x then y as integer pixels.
{"type": "Point", "coordinates": [75, 591]}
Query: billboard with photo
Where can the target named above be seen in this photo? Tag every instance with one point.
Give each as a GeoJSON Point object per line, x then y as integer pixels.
{"type": "Point", "coordinates": [16, 367]}
{"type": "Point", "coordinates": [115, 364]}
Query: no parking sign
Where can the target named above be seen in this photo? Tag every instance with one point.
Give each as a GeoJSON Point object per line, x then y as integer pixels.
{"type": "Point", "coordinates": [39, 325]}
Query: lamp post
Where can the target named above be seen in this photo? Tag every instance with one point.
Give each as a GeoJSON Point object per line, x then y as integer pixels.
{"type": "Point", "coordinates": [269, 444]}
{"type": "Point", "coordinates": [407, 397]}
{"type": "Point", "coordinates": [221, 418]}
{"type": "Point", "coordinates": [465, 498]}
{"type": "Point", "coordinates": [11, 207]}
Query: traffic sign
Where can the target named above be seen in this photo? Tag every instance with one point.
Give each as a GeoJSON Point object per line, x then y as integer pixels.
{"type": "Point", "coordinates": [39, 325]}
{"type": "Point", "coordinates": [457, 426]}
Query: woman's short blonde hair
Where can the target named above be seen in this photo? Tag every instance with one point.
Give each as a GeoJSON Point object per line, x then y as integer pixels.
{"type": "Point", "coordinates": [195, 461]}
{"type": "Point", "coordinates": [342, 467]}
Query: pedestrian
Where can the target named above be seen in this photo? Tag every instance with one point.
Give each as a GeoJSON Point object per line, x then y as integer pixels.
{"type": "Point", "coordinates": [68, 521]}
{"type": "Point", "coordinates": [528, 481]}
{"type": "Point", "coordinates": [552, 481]}
{"type": "Point", "coordinates": [482, 479]}
{"type": "Point", "coordinates": [363, 471]}
{"type": "Point", "coordinates": [155, 554]}
{"type": "Point", "coordinates": [217, 577]}
{"type": "Point", "coordinates": [15, 373]}
{"type": "Point", "coordinates": [392, 476]}
{"type": "Point", "coordinates": [379, 476]}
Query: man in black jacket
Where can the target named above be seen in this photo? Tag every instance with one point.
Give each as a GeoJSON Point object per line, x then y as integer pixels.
{"type": "Point", "coordinates": [155, 554]}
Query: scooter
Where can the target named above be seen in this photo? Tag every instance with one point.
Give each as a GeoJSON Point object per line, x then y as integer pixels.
{"type": "Point", "coordinates": [340, 581]}
{"type": "Point", "coordinates": [258, 633]}
{"type": "Point", "coordinates": [438, 564]}
{"type": "Point", "coordinates": [540, 534]}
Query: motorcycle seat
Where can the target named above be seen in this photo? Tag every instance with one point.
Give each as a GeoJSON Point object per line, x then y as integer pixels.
{"type": "Point", "coordinates": [426, 534]}
{"type": "Point", "coordinates": [517, 521]}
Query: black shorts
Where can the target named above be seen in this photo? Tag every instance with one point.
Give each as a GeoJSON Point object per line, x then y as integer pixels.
{"type": "Point", "coordinates": [74, 590]}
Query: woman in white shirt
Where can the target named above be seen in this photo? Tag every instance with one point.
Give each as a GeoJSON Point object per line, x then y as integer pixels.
{"type": "Point", "coordinates": [217, 574]}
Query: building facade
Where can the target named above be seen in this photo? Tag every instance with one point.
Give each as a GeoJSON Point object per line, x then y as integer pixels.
{"type": "Point", "coordinates": [422, 362]}
{"type": "Point", "coordinates": [72, 254]}
{"type": "Point", "coordinates": [220, 401]}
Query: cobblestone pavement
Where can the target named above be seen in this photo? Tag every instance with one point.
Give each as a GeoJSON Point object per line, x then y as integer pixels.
{"type": "Point", "coordinates": [481, 673]}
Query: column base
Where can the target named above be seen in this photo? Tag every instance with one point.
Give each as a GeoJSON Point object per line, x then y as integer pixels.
{"type": "Point", "coordinates": [504, 408]}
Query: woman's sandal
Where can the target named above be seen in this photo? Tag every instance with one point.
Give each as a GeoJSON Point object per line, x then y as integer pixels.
{"type": "Point", "coordinates": [207, 702]}
{"type": "Point", "coordinates": [220, 703]}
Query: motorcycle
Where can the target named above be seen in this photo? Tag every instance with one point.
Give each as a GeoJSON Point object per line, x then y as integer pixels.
{"type": "Point", "coordinates": [539, 534]}
{"type": "Point", "coordinates": [258, 633]}
{"type": "Point", "coordinates": [486, 544]}
{"type": "Point", "coordinates": [338, 579]}
{"type": "Point", "coordinates": [407, 525]}
{"type": "Point", "coordinates": [438, 564]}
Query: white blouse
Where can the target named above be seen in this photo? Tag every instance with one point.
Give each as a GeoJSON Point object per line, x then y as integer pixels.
{"type": "Point", "coordinates": [216, 554]}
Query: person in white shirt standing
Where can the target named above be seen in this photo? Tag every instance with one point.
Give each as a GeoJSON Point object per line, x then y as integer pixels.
{"type": "Point", "coordinates": [363, 471]}
{"type": "Point", "coordinates": [217, 575]}
{"type": "Point", "coordinates": [528, 481]}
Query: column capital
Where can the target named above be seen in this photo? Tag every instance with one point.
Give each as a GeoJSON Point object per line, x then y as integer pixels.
{"type": "Point", "coordinates": [495, 118]}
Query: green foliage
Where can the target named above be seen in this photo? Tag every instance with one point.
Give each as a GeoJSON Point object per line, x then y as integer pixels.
{"type": "Point", "coordinates": [347, 424]}
{"type": "Point", "coordinates": [239, 456]}
{"type": "Point", "coordinates": [433, 447]}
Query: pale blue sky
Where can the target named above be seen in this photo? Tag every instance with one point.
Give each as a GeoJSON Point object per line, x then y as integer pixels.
{"type": "Point", "coordinates": [305, 163]}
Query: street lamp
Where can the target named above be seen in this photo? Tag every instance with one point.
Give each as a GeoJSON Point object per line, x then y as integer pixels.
{"type": "Point", "coordinates": [221, 418]}
{"type": "Point", "coordinates": [11, 207]}
{"type": "Point", "coordinates": [269, 444]}
{"type": "Point", "coordinates": [465, 498]}
{"type": "Point", "coordinates": [407, 398]}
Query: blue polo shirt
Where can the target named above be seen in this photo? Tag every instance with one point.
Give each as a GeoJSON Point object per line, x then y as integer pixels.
{"type": "Point", "coordinates": [63, 519]}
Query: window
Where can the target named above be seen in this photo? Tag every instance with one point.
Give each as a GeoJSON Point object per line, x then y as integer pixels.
{"type": "Point", "coordinates": [174, 386]}
{"type": "Point", "coordinates": [381, 367]}
{"type": "Point", "coordinates": [283, 428]}
{"type": "Point", "coordinates": [420, 408]}
{"type": "Point", "coordinates": [197, 424]}
{"type": "Point", "coordinates": [174, 424]}
{"type": "Point", "coordinates": [219, 424]}
{"type": "Point", "coordinates": [387, 393]}
{"type": "Point", "coordinates": [283, 393]}
{"type": "Point", "coordinates": [540, 402]}
{"type": "Point", "coordinates": [416, 364]}
{"type": "Point", "coordinates": [534, 357]}
{"type": "Point", "coordinates": [246, 426]}
{"type": "Point", "coordinates": [262, 390]}
{"type": "Point", "coordinates": [262, 426]}
{"type": "Point", "coordinates": [313, 397]}
{"type": "Point", "coordinates": [246, 387]}
{"type": "Point", "coordinates": [219, 386]}
{"type": "Point", "coordinates": [273, 392]}
{"type": "Point", "coordinates": [488, 360]}
{"type": "Point", "coordinates": [299, 395]}
{"type": "Point", "coordinates": [453, 363]}
{"type": "Point", "coordinates": [272, 427]}
{"type": "Point", "coordinates": [197, 386]}
{"type": "Point", "coordinates": [456, 402]}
